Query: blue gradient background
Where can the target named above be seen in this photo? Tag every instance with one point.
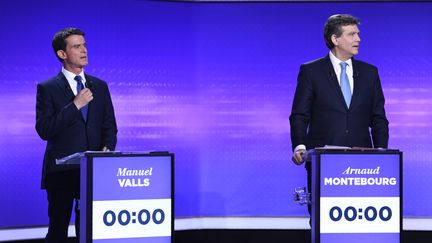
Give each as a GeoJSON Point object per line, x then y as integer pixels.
{"type": "Point", "coordinates": [212, 83]}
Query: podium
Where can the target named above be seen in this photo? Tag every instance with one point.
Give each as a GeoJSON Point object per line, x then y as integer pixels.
{"type": "Point", "coordinates": [125, 197]}
{"type": "Point", "coordinates": [356, 195]}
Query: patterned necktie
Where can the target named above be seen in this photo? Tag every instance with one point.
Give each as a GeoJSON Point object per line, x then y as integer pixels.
{"type": "Point", "coordinates": [345, 85]}
{"type": "Point", "coordinates": [80, 86]}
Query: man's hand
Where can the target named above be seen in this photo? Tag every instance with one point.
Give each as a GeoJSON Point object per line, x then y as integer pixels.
{"type": "Point", "coordinates": [83, 98]}
{"type": "Point", "coordinates": [299, 156]}
{"type": "Point", "coordinates": [105, 149]}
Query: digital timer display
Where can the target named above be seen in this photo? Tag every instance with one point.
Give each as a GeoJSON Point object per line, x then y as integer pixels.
{"type": "Point", "coordinates": [351, 213]}
{"type": "Point", "coordinates": [359, 214]}
{"type": "Point", "coordinates": [131, 218]}
{"type": "Point", "coordinates": [124, 217]}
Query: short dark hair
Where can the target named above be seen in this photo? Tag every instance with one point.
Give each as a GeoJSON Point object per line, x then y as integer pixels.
{"type": "Point", "coordinates": [334, 25]}
{"type": "Point", "coordinates": [59, 40]}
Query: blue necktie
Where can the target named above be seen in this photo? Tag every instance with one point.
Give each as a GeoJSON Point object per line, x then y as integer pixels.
{"type": "Point", "coordinates": [80, 86]}
{"type": "Point", "coordinates": [345, 85]}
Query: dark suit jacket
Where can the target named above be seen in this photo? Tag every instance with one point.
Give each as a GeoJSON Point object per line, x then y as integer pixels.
{"type": "Point", "coordinates": [321, 117]}
{"type": "Point", "coordinates": [60, 123]}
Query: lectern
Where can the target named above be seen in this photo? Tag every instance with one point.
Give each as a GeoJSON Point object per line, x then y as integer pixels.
{"type": "Point", "coordinates": [356, 195]}
{"type": "Point", "coordinates": [125, 197]}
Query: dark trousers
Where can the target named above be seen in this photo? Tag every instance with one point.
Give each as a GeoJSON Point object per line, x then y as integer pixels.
{"type": "Point", "coordinates": [60, 205]}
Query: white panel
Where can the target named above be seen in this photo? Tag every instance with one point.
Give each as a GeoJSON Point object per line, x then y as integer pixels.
{"type": "Point", "coordinates": [134, 226]}
{"type": "Point", "coordinates": [364, 220]}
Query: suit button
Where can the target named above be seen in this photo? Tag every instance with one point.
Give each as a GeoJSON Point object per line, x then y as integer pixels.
{"type": "Point", "coordinates": [347, 131]}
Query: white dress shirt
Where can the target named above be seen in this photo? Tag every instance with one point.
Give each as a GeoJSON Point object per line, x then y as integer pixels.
{"type": "Point", "coordinates": [71, 79]}
{"type": "Point", "coordinates": [349, 69]}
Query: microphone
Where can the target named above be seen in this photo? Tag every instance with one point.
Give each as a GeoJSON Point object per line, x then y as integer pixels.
{"type": "Point", "coordinates": [356, 74]}
{"type": "Point", "coordinates": [89, 84]}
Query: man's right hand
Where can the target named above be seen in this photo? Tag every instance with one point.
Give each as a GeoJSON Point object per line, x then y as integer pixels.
{"type": "Point", "coordinates": [299, 156]}
{"type": "Point", "coordinates": [83, 98]}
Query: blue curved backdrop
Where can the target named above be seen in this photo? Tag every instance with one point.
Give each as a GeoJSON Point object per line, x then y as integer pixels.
{"type": "Point", "coordinates": [213, 83]}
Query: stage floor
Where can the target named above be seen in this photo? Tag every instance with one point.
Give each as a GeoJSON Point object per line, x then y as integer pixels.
{"type": "Point", "coordinates": [260, 236]}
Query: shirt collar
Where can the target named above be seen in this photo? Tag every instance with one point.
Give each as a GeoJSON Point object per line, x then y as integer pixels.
{"type": "Point", "coordinates": [71, 76]}
{"type": "Point", "coordinates": [336, 61]}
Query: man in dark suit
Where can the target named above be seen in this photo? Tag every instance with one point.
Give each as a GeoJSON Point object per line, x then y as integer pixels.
{"type": "Point", "coordinates": [338, 99]}
{"type": "Point", "coordinates": [74, 113]}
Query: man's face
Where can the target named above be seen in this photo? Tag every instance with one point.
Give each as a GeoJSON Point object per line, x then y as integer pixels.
{"type": "Point", "coordinates": [76, 52]}
{"type": "Point", "coordinates": [347, 45]}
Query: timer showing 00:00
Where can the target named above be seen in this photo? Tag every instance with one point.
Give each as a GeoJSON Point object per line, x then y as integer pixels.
{"type": "Point", "coordinates": [125, 217]}
{"type": "Point", "coordinates": [351, 213]}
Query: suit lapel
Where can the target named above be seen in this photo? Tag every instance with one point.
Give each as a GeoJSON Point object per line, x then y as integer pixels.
{"type": "Point", "coordinates": [90, 105]}
{"type": "Point", "coordinates": [358, 85]}
{"type": "Point", "coordinates": [64, 86]}
{"type": "Point", "coordinates": [333, 81]}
